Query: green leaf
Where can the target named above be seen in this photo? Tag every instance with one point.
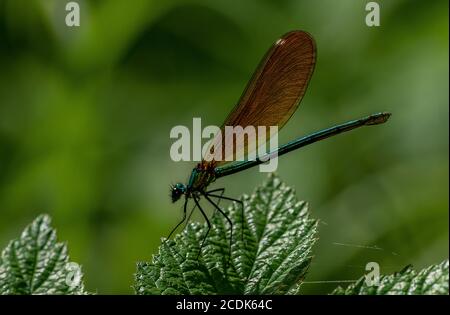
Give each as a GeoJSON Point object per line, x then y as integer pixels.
{"type": "Point", "coordinates": [36, 264]}
{"type": "Point", "coordinates": [431, 280]}
{"type": "Point", "coordinates": [271, 250]}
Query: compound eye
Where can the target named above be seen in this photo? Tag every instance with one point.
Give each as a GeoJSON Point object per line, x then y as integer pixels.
{"type": "Point", "coordinates": [177, 191]}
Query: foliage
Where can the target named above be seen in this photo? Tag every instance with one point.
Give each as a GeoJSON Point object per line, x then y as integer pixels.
{"type": "Point", "coordinates": [431, 280]}
{"type": "Point", "coordinates": [272, 257]}
{"type": "Point", "coordinates": [36, 264]}
{"type": "Point", "coordinates": [271, 250]}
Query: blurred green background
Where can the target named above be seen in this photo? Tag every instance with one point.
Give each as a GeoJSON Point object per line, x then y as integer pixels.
{"type": "Point", "coordinates": [85, 116]}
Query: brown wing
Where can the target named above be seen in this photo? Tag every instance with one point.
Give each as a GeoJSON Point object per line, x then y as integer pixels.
{"type": "Point", "coordinates": [272, 95]}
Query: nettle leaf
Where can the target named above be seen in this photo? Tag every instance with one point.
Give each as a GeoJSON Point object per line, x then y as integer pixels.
{"type": "Point", "coordinates": [36, 264]}
{"type": "Point", "coordinates": [271, 250]}
{"type": "Point", "coordinates": [429, 281]}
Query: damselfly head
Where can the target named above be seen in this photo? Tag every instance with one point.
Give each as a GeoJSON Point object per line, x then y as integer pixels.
{"type": "Point", "coordinates": [176, 191]}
